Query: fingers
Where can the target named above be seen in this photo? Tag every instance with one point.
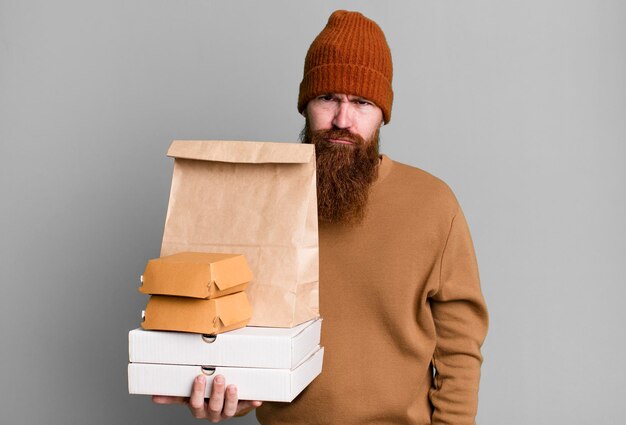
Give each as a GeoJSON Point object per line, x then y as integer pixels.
{"type": "Point", "coordinates": [245, 406]}
{"type": "Point", "coordinates": [230, 405]}
{"type": "Point", "coordinates": [165, 399]}
{"type": "Point", "coordinates": [196, 401]}
{"type": "Point", "coordinates": [216, 400]}
{"type": "Point", "coordinates": [223, 402]}
{"type": "Point", "coordinates": [250, 404]}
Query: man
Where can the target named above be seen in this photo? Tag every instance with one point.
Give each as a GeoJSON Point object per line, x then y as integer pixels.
{"type": "Point", "coordinates": [404, 317]}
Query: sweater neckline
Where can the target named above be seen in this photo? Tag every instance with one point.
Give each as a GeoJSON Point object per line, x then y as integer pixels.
{"type": "Point", "coordinates": [384, 167]}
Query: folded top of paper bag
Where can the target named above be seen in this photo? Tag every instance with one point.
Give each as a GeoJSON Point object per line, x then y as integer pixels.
{"type": "Point", "coordinates": [242, 152]}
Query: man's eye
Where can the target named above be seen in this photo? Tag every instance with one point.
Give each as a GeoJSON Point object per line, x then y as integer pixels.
{"type": "Point", "coordinates": [326, 97]}
{"type": "Point", "coordinates": [362, 102]}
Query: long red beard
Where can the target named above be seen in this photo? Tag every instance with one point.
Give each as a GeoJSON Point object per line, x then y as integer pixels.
{"type": "Point", "coordinates": [344, 174]}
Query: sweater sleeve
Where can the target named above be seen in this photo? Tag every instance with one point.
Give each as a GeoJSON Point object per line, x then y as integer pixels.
{"type": "Point", "coordinates": [460, 317]}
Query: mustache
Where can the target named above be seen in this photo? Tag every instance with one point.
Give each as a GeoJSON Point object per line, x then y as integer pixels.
{"type": "Point", "coordinates": [336, 133]}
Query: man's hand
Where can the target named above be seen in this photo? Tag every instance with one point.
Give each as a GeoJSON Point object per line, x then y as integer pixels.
{"type": "Point", "coordinates": [223, 403]}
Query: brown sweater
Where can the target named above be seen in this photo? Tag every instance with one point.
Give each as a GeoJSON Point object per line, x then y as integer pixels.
{"type": "Point", "coordinates": [399, 295]}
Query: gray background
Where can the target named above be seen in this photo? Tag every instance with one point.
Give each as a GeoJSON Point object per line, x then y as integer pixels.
{"type": "Point", "coordinates": [519, 106]}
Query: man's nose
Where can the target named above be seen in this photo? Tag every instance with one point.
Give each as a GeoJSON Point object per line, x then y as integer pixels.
{"type": "Point", "coordinates": [343, 115]}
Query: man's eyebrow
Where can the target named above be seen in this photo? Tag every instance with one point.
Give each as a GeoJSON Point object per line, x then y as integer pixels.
{"type": "Point", "coordinates": [360, 99]}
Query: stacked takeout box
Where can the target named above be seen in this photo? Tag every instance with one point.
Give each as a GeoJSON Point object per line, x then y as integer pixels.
{"type": "Point", "coordinates": [239, 248]}
{"type": "Point", "coordinates": [197, 296]}
{"type": "Point", "coordinates": [269, 364]}
{"type": "Point", "coordinates": [196, 292]}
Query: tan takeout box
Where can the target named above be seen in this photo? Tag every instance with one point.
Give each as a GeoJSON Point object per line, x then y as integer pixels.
{"type": "Point", "coordinates": [196, 275]}
{"type": "Point", "coordinates": [183, 314]}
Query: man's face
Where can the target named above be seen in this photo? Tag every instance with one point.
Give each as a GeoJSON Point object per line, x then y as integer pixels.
{"type": "Point", "coordinates": [344, 130]}
{"type": "Point", "coordinates": [355, 114]}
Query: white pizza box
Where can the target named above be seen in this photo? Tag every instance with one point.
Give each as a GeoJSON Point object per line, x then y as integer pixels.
{"type": "Point", "coordinates": [252, 383]}
{"type": "Point", "coordinates": [252, 346]}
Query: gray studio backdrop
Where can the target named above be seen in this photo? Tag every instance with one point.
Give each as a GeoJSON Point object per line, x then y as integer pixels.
{"type": "Point", "coordinates": [519, 106]}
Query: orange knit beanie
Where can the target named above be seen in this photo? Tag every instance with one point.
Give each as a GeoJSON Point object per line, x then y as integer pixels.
{"type": "Point", "coordinates": [349, 56]}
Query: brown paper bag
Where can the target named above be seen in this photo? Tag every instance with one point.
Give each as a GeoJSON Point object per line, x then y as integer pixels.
{"type": "Point", "coordinates": [258, 199]}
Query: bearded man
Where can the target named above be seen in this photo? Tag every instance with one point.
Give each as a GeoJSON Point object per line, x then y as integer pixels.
{"type": "Point", "coordinates": [404, 316]}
